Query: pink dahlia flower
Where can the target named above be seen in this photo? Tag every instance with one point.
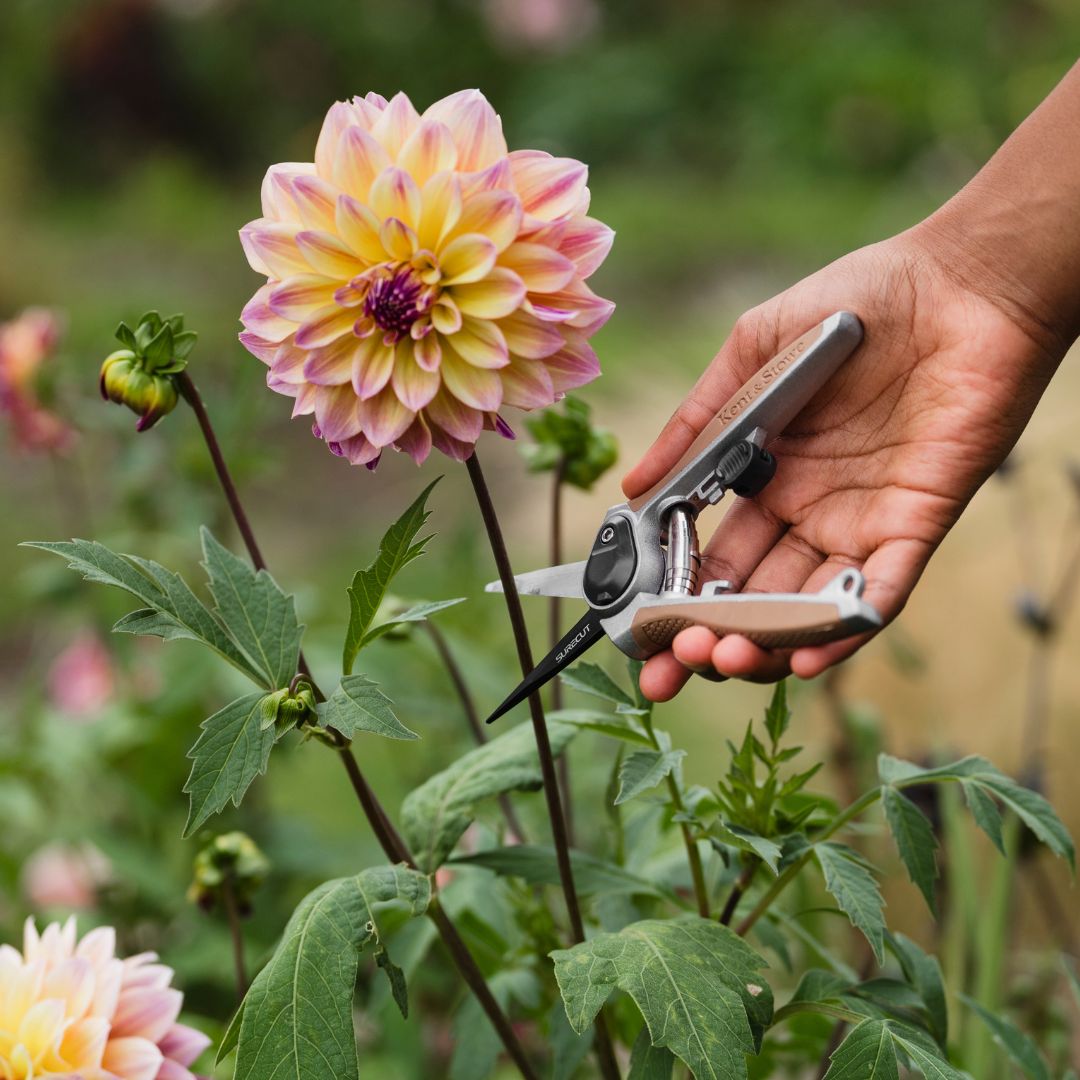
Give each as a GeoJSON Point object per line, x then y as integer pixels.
{"type": "Point", "coordinates": [72, 1009]}
{"type": "Point", "coordinates": [420, 277]}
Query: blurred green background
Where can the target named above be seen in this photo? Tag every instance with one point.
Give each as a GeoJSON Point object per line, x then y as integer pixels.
{"type": "Point", "coordinates": [733, 145]}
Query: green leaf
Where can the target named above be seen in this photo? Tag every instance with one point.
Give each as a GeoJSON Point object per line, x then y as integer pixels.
{"type": "Point", "coordinates": [231, 750]}
{"type": "Point", "coordinates": [817, 985]}
{"type": "Point", "coordinates": [985, 812]}
{"type": "Point", "coordinates": [172, 611]}
{"type": "Point", "coordinates": [696, 983]}
{"type": "Point", "coordinates": [476, 1043]}
{"type": "Point", "coordinates": [643, 770]}
{"type": "Point", "coordinates": [778, 715]}
{"type": "Point", "coordinates": [396, 977]}
{"type": "Point", "coordinates": [866, 1054]}
{"type": "Point", "coordinates": [648, 1062]}
{"type": "Point", "coordinates": [436, 814]}
{"type": "Point", "coordinates": [397, 549]}
{"type": "Point", "coordinates": [1020, 1046]}
{"type": "Point", "coordinates": [614, 725]}
{"type": "Point", "coordinates": [592, 679]}
{"type": "Point", "coordinates": [232, 1032]}
{"type": "Point", "coordinates": [568, 1048]}
{"type": "Point", "coordinates": [746, 840]}
{"type": "Point", "coordinates": [537, 865]}
{"type": "Point", "coordinates": [854, 889]}
{"type": "Point", "coordinates": [915, 840]}
{"type": "Point", "coordinates": [258, 615]}
{"type": "Point", "coordinates": [359, 705]}
{"type": "Point", "coordinates": [298, 1015]}
{"type": "Point", "coordinates": [417, 613]}
{"type": "Point", "coordinates": [1072, 977]}
{"type": "Point", "coordinates": [929, 1064]}
{"type": "Point", "coordinates": [923, 972]}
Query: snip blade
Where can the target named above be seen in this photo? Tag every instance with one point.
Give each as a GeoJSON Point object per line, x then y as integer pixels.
{"type": "Point", "coordinates": [585, 633]}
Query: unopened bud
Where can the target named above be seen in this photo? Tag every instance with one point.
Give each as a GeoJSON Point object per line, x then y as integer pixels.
{"type": "Point", "coordinates": [232, 860]}
{"type": "Point", "coordinates": [569, 442]}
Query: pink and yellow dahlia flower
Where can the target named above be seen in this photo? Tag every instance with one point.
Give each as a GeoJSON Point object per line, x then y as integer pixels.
{"type": "Point", "coordinates": [72, 1009]}
{"type": "Point", "coordinates": [420, 277]}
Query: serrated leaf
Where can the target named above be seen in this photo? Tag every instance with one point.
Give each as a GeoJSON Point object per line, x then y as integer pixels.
{"type": "Point", "coordinates": [417, 613]}
{"type": "Point", "coordinates": [259, 616]}
{"type": "Point", "coordinates": [298, 1014]}
{"type": "Point", "coordinates": [357, 704]}
{"type": "Point", "coordinates": [928, 1063]}
{"type": "Point", "coordinates": [592, 679]}
{"type": "Point", "coordinates": [397, 549]}
{"type": "Point", "coordinates": [855, 891]}
{"type": "Point", "coordinates": [866, 1054]}
{"type": "Point", "coordinates": [817, 985]}
{"type": "Point", "coordinates": [396, 978]}
{"type": "Point", "coordinates": [1020, 1046]}
{"type": "Point", "coordinates": [923, 972]}
{"type": "Point", "coordinates": [746, 840]}
{"type": "Point", "coordinates": [696, 983]}
{"type": "Point", "coordinates": [985, 812]}
{"type": "Point", "coordinates": [915, 841]}
{"type": "Point", "coordinates": [537, 865]}
{"type": "Point", "coordinates": [614, 725]}
{"type": "Point", "coordinates": [648, 1062]}
{"type": "Point", "coordinates": [778, 715]}
{"type": "Point", "coordinates": [172, 612]}
{"type": "Point", "coordinates": [231, 750]}
{"type": "Point", "coordinates": [643, 770]}
{"type": "Point", "coordinates": [436, 814]}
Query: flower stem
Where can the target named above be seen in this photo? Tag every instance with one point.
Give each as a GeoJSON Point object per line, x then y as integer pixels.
{"type": "Point", "coordinates": [738, 890]}
{"type": "Point", "coordinates": [555, 557]}
{"type": "Point", "coordinates": [468, 707]}
{"type": "Point", "coordinates": [389, 838]}
{"type": "Point", "coordinates": [604, 1049]}
{"type": "Point", "coordinates": [228, 900]}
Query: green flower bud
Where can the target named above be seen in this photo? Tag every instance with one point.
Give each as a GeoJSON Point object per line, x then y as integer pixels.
{"type": "Point", "coordinates": [292, 706]}
{"type": "Point", "coordinates": [568, 441]}
{"type": "Point", "coordinates": [230, 860]}
{"type": "Point", "coordinates": [142, 375]}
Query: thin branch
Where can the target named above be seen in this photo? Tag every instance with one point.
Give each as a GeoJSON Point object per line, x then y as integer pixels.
{"type": "Point", "coordinates": [228, 901]}
{"type": "Point", "coordinates": [604, 1049]}
{"type": "Point", "coordinates": [555, 558]}
{"type": "Point", "coordinates": [738, 891]}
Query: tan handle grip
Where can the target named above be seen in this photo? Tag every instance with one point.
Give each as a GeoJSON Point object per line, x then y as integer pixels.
{"type": "Point", "coordinates": [770, 623]}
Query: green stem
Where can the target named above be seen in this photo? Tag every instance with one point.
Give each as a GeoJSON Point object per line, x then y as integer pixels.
{"type": "Point", "coordinates": [821, 1008]}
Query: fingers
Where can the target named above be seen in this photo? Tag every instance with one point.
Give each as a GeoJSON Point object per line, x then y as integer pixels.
{"type": "Point", "coordinates": [745, 536]}
{"type": "Point", "coordinates": [739, 357]}
{"type": "Point", "coordinates": [662, 677]}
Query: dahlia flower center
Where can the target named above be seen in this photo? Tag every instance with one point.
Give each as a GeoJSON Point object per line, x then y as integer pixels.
{"type": "Point", "coordinates": [397, 300]}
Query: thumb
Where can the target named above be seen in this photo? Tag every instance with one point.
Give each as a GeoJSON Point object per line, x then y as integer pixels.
{"type": "Point", "coordinates": [753, 340]}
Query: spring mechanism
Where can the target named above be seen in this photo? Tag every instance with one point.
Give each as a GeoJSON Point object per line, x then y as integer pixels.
{"type": "Point", "coordinates": [683, 558]}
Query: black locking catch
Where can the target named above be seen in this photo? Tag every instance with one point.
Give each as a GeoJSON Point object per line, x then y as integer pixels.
{"type": "Point", "coordinates": [611, 564]}
{"type": "Point", "coordinates": [745, 469]}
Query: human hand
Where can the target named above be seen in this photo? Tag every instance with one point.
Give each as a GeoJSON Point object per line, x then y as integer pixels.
{"type": "Point", "coordinates": [877, 468]}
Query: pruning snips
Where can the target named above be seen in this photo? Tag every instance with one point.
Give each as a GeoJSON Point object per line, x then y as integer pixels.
{"type": "Point", "coordinates": [640, 579]}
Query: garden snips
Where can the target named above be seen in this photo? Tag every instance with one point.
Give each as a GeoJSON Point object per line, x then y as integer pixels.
{"type": "Point", "coordinates": [640, 579]}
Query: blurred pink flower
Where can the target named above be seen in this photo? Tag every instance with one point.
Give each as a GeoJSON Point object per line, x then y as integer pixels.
{"type": "Point", "coordinates": [62, 876]}
{"type": "Point", "coordinates": [73, 1009]}
{"type": "Point", "coordinates": [420, 277]}
{"type": "Point", "coordinates": [81, 678]}
{"type": "Point", "coordinates": [541, 24]}
{"type": "Point", "coordinates": [25, 342]}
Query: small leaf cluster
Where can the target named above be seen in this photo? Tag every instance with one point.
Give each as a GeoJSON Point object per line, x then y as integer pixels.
{"type": "Point", "coordinates": [234, 861]}
{"type": "Point", "coordinates": [567, 441]}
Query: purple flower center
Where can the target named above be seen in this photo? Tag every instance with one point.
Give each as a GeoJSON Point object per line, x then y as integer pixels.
{"type": "Point", "coordinates": [393, 302]}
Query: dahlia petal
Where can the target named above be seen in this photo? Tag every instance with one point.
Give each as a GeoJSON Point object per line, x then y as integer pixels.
{"type": "Point", "coordinates": [42, 1025]}
{"type": "Point", "coordinates": [480, 343]}
{"type": "Point", "coordinates": [576, 305]}
{"type": "Point", "coordinates": [586, 243]}
{"type": "Point", "coordinates": [278, 203]}
{"type": "Point", "coordinates": [260, 319]}
{"type": "Point", "coordinates": [499, 175]}
{"type": "Point", "coordinates": [529, 337]}
{"type": "Point", "coordinates": [527, 384]}
{"type": "Point", "coordinates": [331, 365]}
{"type": "Point", "coordinates": [271, 248]}
{"type": "Point", "coordinates": [84, 1041]}
{"type": "Point", "coordinates": [467, 258]}
{"type": "Point", "coordinates": [428, 352]}
{"type": "Point", "coordinates": [457, 419]}
{"type": "Point", "coordinates": [288, 362]}
{"type": "Point", "coordinates": [300, 296]}
{"type": "Point", "coordinates": [132, 1058]}
{"type": "Point", "coordinates": [359, 228]}
{"type": "Point", "coordinates": [99, 946]}
{"type": "Point", "coordinates": [341, 116]}
{"type": "Point", "coordinates": [494, 214]}
{"type": "Point", "coordinates": [414, 384]}
{"type": "Point", "coordinates": [146, 1013]}
{"type": "Point", "coordinates": [396, 123]}
{"type": "Point", "coordinates": [372, 365]}
{"type": "Point", "coordinates": [71, 981]}
{"type": "Point", "coordinates": [398, 239]}
{"type": "Point", "coordinates": [542, 269]}
{"type": "Point", "coordinates": [183, 1044]}
{"type": "Point", "coordinates": [358, 160]}
{"type": "Point", "coordinates": [415, 441]}
{"type": "Point", "coordinates": [110, 976]}
{"type": "Point", "coordinates": [384, 417]}
{"type": "Point", "coordinates": [429, 150]}
{"type": "Point", "coordinates": [395, 195]}
{"type": "Point", "coordinates": [315, 200]}
{"type": "Point", "coordinates": [446, 315]}
{"type": "Point", "coordinates": [358, 449]}
{"type": "Point", "coordinates": [498, 295]}
{"type": "Point", "coordinates": [440, 209]}
{"type": "Point", "coordinates": [549, 186]}
{"type": "Point", "coordinates": [258, 347]}
{"type": "Point", "coordinates": [475, 125]}
{"type": "Point", "coordinates": [336, 412]}
{"type": "Point", "coordinates": [572, 366]}
{"type": "Point", "coordinates": [477, 387]}
{"type": "Point", "coordinates": [170, 1070]}
{"type": "Point", "coordinates": [324, 326]}
{"type": "Point", "coordinates": [326, 254]}
{"type": "Point", "coordinates": [453, 448]}
{"type": "Point", "coordinates": [305, 395]}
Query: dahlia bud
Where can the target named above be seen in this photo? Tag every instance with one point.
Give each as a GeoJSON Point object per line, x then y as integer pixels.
{"type": "Point", "coordinates": [568, 441]}
{"type": "Point", "coordinates": [290, 707]}
{"type": "Point", "coordinates": [231, 860]}
{"type": "Point", "coordinates": [142, 375]}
